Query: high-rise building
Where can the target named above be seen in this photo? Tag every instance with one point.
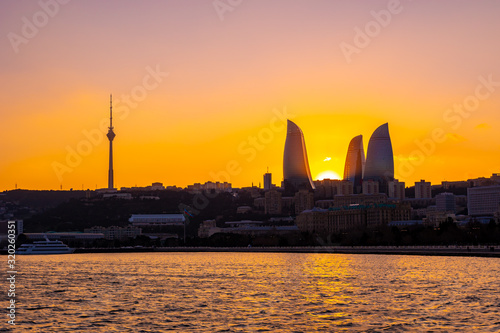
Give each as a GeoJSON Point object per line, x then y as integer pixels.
{"type": "Point", "coordinates": [445, 202]}
{"type": "Point", "coordinates": [272, 202]}
{"type": "Point", "coordinates": [355, 163]}
{"type": "Point", "coordinates": [343, 187]}
{"type": "Point", "coordinates": [379, 158]}
{"type": "Point", "coordinates": [396, 189]}
{"type": "Point", "coordinates": [267, 181]}
{"type": "Point", "coordinates": [371, 187]}
{"type": "Point", "coordinates": [296, 171]}
{"type": "Point", "coordinates": [328, 188]}
{"type": "Point", "coordinates": [483, 200]}
{"type": "Point", "coordinates": [303, 200]}
{"type": "Point", "coordinates": [423, 190]}
{"type": "Point", "coordinates": [111, 135]}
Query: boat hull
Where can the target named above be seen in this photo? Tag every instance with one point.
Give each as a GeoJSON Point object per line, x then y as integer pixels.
{"type": "Point", "coordinates": [44, 247]}
{"type": "Point", "coordinates": [69, 251]}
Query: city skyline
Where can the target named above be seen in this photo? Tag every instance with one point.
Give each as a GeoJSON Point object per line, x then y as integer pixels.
{"type": "Point", "coordinates": [197, 89]}
{"type": "Point", "coordinates": [250, 165]}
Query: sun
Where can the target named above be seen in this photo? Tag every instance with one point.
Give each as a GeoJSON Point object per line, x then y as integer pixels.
{"type": "Point", "coordinates": [328, 174]}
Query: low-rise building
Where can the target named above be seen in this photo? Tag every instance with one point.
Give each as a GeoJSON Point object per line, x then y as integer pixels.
{"type": "Point", "coordinates": [114, 232]}
{"type": "Point", "coordinates": [328, 188]}
{"type": "Point", "coordinates": [449, 185]}
{"type": "Point", "coordinates": [370, 187]}
{"type": "Point", "coordinates": [359, 199]}
{"type": "Point", "coordinates": [338, 220]}
{"type": "Point", "coordinates": [303, 200]}
{"type": "Point", "coordinates": [353, 199]}
{"type": "Point", "coordinates": [251, 228]}
{"type": "Point", "coordinates": [259, 203]}
{"type": "Point", "coordinates": [124, 196]}
{"type": "Point", "coordinates": [157, 219]}
{"type": "Point", "coordinates": [445, 202]}
{"type": "Point", "coordinates": [483, 200]}
{"type": "Point", "coordinates": [243, 209]}
{"type": "Point", "coordinates": [396, 189]}
{"type": "Point", "coordinates": [403, 224]}
{"type": "Point", "coordinates": [272, 202]}
{"type": "Point", "coordinates": [210, 186]}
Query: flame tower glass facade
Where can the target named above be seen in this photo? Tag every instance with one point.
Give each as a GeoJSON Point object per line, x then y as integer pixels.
{"type": "Point", "coordinates": [296, 173]}
{"type": "Point", "coordinates": [379, 158]}
{"type": "Point", "coordinates": [355, 163]}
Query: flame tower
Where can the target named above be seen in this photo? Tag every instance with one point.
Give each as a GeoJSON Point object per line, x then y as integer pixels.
{"type": "Point", "coordinates": [296, 172]}
{"type": "Point", "coordinates": [111, 135]}
{"type": "Point", "coordinates": [379, 158]}
{"type": "Point", "coordinates": [355, 163]}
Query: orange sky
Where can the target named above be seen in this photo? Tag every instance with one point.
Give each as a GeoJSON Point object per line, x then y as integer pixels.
{"type": "Point", "coordinates": [229, 81]}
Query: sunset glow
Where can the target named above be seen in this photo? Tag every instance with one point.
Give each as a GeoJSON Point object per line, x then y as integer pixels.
{"type": "Point", "coordinates": [328, 174]}
{"type": "Point", "coordinates": [195, 89]}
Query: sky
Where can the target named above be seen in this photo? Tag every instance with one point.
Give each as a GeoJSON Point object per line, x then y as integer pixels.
{"type": "Point", "coordinates": [202, 89]}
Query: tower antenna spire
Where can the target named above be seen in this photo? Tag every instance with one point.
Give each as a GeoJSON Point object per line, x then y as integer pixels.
{"type": "Point", "coordinates": [111, 111]}
{"type": "Point", "coordinates": [111, 135]}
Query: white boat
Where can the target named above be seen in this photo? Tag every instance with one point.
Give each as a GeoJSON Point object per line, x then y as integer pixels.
{"type": "Point", "coordinates": [45, 247]}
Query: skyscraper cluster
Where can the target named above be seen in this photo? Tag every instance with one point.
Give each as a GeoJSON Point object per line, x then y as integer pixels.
{"type": "Point", "coordinates": [377, 169]}
{"type": "Point", "coordinates": [379, 164]}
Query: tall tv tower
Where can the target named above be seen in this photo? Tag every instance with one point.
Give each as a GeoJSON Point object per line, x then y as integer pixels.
{"type": "Point", "coordinates": [111, 135]}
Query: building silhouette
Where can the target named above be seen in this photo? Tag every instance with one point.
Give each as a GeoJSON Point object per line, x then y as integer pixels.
{"type": "Point", "coordinates": [355, 163]}
{"type": "Point", "coordinates": [379, 158]}
{"type": "Point", "coordinates": [445, 202]}
{"type": "Point", "coordinates": [396, 189]}
{"type": "Point", "coordinates": [328, 188]}
{"type": "Point", "coordinates": [337, 220]}
{"type": "Point", "coordinates": [267, 181]}
{"type": "Point", "coordinates": [484, 200]}
{"type": "Point", "coordinates": [371, 187]}
{"type": "Point", "coordinates": [272, 202]}
{"type": "Point", "coordinates": [111, 135]}
{"type": "Point", "coordinates": [303, 200]}
{"type": "Point", "coordinates": [423, 190]}
{"type": "Point", "coordinates": [296, 173]}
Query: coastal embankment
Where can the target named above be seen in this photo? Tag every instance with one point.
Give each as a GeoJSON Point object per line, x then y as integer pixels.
{"type": "Point", "coordinates": [451, 250]}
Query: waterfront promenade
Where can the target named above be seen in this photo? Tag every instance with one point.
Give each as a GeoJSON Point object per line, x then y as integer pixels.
{"type": "Point", "coordinates": [431, 250]}
{"type": "Point", "coordinates": [437, 250]}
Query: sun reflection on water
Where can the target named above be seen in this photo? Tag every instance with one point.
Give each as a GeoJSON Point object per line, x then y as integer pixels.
{"type": "Point", "coordinates": [248, 292]}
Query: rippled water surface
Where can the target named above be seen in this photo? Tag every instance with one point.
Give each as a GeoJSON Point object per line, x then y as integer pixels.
{"type": "Point", "coordinates": [256, 292]}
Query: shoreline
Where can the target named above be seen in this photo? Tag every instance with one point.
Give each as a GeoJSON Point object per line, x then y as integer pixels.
{"type": "Point", "coordinates": [462, 251]}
